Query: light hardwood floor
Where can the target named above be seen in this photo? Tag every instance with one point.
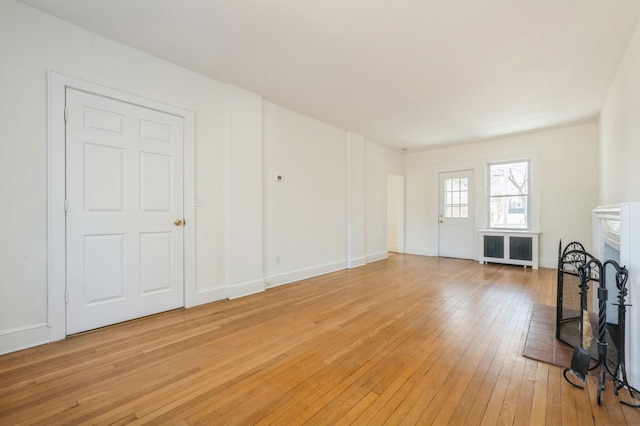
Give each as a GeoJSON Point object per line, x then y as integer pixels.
{"type": "Point", "coordinates": [408, 340]}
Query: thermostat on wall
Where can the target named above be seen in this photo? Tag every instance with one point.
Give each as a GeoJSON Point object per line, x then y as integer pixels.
{"type": "Point", "coordinates": [279, 178]}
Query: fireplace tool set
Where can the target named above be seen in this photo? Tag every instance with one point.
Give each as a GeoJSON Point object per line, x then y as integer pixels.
{"type": "Point", "coordinates": [591, 269]}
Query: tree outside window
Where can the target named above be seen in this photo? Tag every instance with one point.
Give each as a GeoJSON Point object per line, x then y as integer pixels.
{"type": "Point", "coordinates": [509, 195]}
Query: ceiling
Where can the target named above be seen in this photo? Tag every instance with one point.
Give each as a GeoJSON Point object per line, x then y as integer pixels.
{"type": "Point", "coordinates": [405, 73]}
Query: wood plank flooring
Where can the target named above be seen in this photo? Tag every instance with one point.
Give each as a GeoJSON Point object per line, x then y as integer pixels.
{"type": "Point", "coordinates": [408, 340]}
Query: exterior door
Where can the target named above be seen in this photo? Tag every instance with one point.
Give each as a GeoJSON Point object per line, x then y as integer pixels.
{"type": "Point", "coordinates": [124, 183]}
{"type": "Point", "coordinates": [455, 216]}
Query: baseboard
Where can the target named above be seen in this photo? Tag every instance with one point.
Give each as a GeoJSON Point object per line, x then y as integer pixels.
{"type": "Point", "coordinates": [22, 338]}
{"type": "Point", "coordinates": [420, 251]}
{"type": "Point", "coordinates": [245, 289]}
{"type": "Point", "coordinates": [357, 262]}
{"type": "Point", "coordinates": [377, 256]}
{"type": "Point", "coordinates": [303, 274]}
{"type": "Point", "coordinates": [393, 248]}
{"type": "Point", "coordinates": [205, 296]}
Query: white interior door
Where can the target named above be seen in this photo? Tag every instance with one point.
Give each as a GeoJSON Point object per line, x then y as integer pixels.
{"type": "Point", "coordinates": [455, 216]}
{"type": "Point", "coordinates": [124, 186]}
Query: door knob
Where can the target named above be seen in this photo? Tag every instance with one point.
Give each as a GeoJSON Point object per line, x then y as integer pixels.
{"type": "Point", "coordinates": [178, 222]}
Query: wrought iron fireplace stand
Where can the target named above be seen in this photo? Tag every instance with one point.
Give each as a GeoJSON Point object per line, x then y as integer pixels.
{"type": "Point", "coordinates": [619, 373]}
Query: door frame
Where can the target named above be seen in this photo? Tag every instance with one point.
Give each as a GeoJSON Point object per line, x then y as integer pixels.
{"type": "Point", "coordinates": [56, 226]}
{"type": "Point", "coordinates": [477, 199]}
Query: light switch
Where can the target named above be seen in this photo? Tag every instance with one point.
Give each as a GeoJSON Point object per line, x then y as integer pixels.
{"type": "Point", "coordinates": [199, 200]}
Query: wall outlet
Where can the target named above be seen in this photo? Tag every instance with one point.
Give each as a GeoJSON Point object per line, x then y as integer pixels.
{"type": "Point", "coordinates": [277, 259]}
{"type": "Point", "coordinates": [279, 178]}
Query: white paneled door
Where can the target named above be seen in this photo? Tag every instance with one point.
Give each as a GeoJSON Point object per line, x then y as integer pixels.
{"type": "Point", "coordinates": [455, 216]}
{"type": "Point", "coordinates": [124, 221]}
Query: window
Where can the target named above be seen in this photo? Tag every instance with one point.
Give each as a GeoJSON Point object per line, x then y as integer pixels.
{"type": "Point", "coordinates": [509, 195]}
{"type": "Point", "coordinates": [456, 197]}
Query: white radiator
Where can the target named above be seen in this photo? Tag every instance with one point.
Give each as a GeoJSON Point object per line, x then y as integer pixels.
{"type": "Point", "coordinates": [510, 247]}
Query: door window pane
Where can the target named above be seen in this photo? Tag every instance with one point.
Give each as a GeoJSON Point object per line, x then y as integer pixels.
{"type": "Point", "coordinates": [456, 198]}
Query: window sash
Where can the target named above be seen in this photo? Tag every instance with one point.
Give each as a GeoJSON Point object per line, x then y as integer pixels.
{"type": "Point", "coordinates": [508, 201]}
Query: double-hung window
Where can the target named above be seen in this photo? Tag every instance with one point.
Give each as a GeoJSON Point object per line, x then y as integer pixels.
{"type": "Point", "coordinates": [509, 195]}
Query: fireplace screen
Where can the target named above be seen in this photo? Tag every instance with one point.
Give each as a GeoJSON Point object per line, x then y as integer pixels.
{"type": "Point", "coordinates": [575, 313]}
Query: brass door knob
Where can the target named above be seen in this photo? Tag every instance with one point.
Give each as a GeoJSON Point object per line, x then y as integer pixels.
{"type": "Point", "coordinates": [178, 222]}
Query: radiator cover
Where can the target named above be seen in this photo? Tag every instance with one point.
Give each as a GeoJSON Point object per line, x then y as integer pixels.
{"type": "Point", "coordinates": [510, 247]}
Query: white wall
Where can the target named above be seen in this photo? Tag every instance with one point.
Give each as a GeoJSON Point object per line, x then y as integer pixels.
{"type": "Point", "coordinates": [392, 214]}
{"type": "Point", "coordinates": [244, 273]}
{"type": "Point", "coordinates": [619, 143]}
{"type": "Point", "coordinates": [305, 216]}
{"type": "Point", "coordinates": [355, 200]}
{"type": "Point", "coordinates": [379, 161]}
{"type": "Point", "coordinates": [395, 212]}
{"type": "Point", "coordinates": [330, 212]}
{"type": "Point", "coordinates": [564, 178]}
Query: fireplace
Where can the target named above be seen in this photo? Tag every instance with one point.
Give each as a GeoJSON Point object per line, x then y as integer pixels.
{"type": "Point", "coordinates": [616, 236]}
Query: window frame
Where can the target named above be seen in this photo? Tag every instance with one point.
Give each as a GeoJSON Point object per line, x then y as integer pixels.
{"type": "Point", "coordinates": [529, 196]}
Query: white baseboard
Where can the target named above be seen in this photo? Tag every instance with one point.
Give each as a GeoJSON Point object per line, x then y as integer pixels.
{"type": "Point", "coordinates": [235, 291]}
{"type": "Point", "coordinates": [22, 338]}
{"type": "Point", "coordinates": [302, 274]}
{"type": "Point", "coordinates": [420, 251]}
{"type": "Point", "coordinates": [377, 256]}
{"type": "Point", "coordinates": [393, 248]}
{"type": "Point", "coordinates": [205, 296]}
{"type": "Point", "coordinates": [359, 261]}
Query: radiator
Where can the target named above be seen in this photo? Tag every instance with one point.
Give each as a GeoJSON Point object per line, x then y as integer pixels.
{"type": "Point", "coordinates": [509, 247]}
